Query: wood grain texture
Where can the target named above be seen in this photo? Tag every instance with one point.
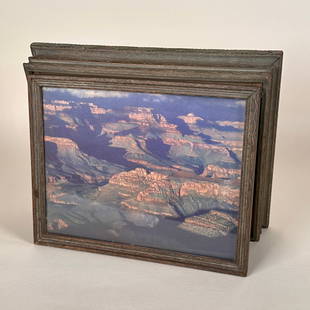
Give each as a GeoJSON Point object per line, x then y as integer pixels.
{"type": "Point", "coordinates": [250, 75]}
{"type": "Point", "coordinates": [41, 236]}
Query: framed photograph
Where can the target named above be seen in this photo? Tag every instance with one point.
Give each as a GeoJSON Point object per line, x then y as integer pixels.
{"type": "Point", "coordinates": [148, 153]}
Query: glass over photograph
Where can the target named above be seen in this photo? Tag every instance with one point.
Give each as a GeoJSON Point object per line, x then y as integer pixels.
{"type": "Point", "coordinates": [154, 170]}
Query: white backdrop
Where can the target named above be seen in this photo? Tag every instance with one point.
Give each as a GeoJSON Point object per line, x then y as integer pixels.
{"type": "Point", "coordinates": [33, 277]}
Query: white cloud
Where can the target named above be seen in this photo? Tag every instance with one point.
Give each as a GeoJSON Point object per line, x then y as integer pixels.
{"type": "Point", "coordinates": [241, 102]}
{"type": "Point", "coordinates": [156, 97]}
{"type": "Point", "coordinates": [89, 93]}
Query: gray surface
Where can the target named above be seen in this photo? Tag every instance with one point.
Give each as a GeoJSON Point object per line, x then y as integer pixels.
{"type": "Point", "coordinates": [279, 275]}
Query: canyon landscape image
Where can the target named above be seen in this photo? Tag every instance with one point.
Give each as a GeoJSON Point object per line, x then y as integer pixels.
{"type": "Point", "coordinates": [154, 170]}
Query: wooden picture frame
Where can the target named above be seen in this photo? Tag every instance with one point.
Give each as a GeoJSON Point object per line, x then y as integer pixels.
{"type": "Point", "coordinates": [252, 76]}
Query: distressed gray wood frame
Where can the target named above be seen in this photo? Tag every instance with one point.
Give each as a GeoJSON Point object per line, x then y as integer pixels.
{"type": "Point", "coordinates": [43, 237]}
{"type": "Point", "coordinates": [232, 74]}
{"type": "Point", "coordinates": [228, 67]}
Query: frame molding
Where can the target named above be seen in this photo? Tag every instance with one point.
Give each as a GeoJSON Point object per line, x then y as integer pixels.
{"type": "Point", "coordinates": [43, 237]}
